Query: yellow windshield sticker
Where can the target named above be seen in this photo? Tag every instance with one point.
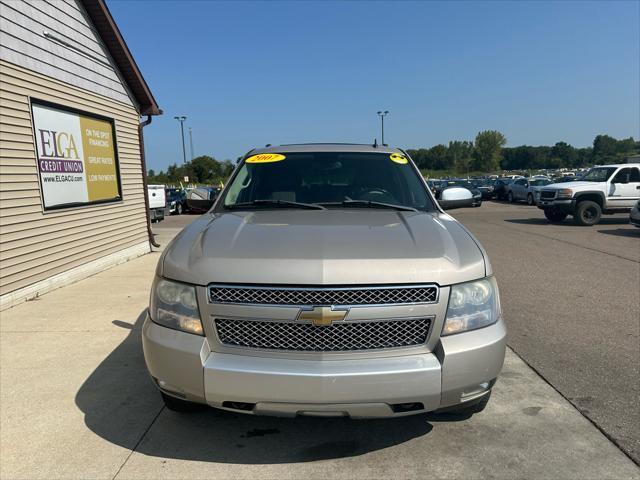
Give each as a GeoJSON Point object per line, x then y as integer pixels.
{"type": "Point", "coordinates": [265, 158]}
{"type": "Point", "coordinates": [399, 158]}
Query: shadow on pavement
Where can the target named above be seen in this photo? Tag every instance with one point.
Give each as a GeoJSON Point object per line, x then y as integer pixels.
{"type": "Point", "coordinates": [623, 232]}
{"type": "Point", "coordinates": [121, 405]}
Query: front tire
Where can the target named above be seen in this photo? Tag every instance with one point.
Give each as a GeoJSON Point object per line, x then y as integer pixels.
{"type": "Point", "coordinates": [179, 209]}
{"type": "Point", "coordinates": [587, 214]}
{"type": "Point", "coordinates": [178, 405]}
{"type": "Point", "coordinates": [529, 199]}
{"type": "Point", "coordinates": [510, 197]}
{"type": "Point", "coordinates": [554, 216]}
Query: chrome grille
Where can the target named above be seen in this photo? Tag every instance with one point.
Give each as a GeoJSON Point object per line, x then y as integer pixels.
{"type": "Point", "coordinates": [323, 296]}
{"type": "Point", "coordinates": [340, 336]}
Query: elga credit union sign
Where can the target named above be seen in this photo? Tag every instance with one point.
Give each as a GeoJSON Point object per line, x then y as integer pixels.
{"type": "Point", "coordinates": [77, 157]}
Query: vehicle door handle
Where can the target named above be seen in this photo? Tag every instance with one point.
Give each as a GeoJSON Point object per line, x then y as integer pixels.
{"type": "Point", "coordinates": [638, 187]}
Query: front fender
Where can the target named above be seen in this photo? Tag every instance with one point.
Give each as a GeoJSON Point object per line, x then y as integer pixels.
{"type": "Point", "coordinates": [590, 193]}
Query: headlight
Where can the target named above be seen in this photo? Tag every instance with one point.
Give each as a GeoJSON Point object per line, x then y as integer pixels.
{"type": "Point", "coordinates": [564, 193]}
{"type": "Point", "coordinates": [472, 305]}
{"type": "Point", "coordinates": [174, 305]}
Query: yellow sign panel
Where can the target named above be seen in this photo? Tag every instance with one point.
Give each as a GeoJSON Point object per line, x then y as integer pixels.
{"type": "Point", "coordinates": [399, 158]}
{"type": "Point", "coordinates": [100, 162]}
{"type": "Point", "coordinates": [265, 158]}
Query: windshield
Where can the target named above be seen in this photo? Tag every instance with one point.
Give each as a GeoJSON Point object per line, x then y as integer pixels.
{"type": "Point", "coordinates": [172, 194]}
{"type": "Point", "coordinates": [600, 174]}
{"type": "Point", "coordinates": [539, 182]}
{"type": "Point", "coordinates": [329, 178]}
{"type": "Point", "coordinates": [457, 183]}
{"type": "Point", "coordinates": [481, 183]}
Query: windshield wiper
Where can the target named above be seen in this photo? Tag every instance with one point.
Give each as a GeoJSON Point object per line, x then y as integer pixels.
{"type": "Point", "coordinates": [276, 203]}
{"type": "Point", "coordinates": [372, 204]}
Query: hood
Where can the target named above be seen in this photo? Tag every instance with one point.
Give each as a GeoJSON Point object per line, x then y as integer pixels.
{"type": "Point", "coordinates": [577, 184]}
{"type": "Point", "coordinates": [323, 247]}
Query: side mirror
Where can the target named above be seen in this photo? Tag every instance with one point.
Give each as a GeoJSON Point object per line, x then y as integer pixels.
{"type": "Point", "coordinates": [455, 197]}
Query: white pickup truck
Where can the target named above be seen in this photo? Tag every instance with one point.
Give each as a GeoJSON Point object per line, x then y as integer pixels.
{"type": "Point", "coordinates": [157, 202]}
{"type": "Point", "coordinates": [605, 189]}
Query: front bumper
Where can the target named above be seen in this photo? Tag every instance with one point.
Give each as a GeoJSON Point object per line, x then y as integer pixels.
{"type": "Point", "coordinates": [156, 214]}
{"type": "Point", "coordinates": [460, 370]}
{"type": "Point", "coordinates": [564, 206]}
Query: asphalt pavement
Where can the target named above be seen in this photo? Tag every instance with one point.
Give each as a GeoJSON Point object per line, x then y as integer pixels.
{"type": "Point", "coordinates": [571, 299]}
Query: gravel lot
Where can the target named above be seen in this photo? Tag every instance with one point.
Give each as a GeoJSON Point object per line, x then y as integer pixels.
{"type": "Point", "coordinates": [570, 298]}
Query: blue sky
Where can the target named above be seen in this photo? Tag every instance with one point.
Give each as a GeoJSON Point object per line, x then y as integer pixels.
{"type": "Point", "coordinates": [251, 73]}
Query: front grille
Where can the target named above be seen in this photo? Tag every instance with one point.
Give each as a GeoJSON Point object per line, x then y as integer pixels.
{"type": "Point", "coordinates": [338, 337]}
{"type": "Point", "coordinates": [547, 194]}
{"type": "Point", "coordinates": [323, 296]}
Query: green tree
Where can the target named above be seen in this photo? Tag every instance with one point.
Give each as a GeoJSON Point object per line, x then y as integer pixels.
{"type": "Point", "coordinates": [460, 155]}
{"type": "Point", "coordinates": [604, 146]}
{"type": "Point", "coordinates": [421, 158]}
{"type": "Point", "coordinates": [439, 157]}
{"type": "Point", "coordinates": [488, 150]}
{"type": "Point", "coordinates": [226, 168]}
{"type": "Point", "coordinates": [205, 169]}
{"type": "Point", "coordinates": [627, 146]}
{"type": "Point", "coordinates": [567, 155]}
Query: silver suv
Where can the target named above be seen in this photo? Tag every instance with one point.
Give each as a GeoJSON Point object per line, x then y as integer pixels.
{"type": "Point", "coordinates": [326, 281]}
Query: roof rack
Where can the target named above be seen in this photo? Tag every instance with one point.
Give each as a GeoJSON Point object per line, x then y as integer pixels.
{"type": "Point", "coordinates": [320, 143]}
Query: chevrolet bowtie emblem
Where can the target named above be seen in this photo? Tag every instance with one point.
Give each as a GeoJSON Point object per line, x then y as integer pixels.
{"type": "Point", "coordinates": [322, 316]}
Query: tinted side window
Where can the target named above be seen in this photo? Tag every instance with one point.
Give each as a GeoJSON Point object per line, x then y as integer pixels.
{"type": "Point", "coordinates": [627, 174]}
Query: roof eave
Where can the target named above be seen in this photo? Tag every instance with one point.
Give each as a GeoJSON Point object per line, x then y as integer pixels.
{"type": "Point", "coordinates": [113, 40]}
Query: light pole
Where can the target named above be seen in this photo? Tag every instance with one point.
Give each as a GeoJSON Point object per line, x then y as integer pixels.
{"type": "Point", "coordinates": [181, 119]}
{"type": "Point", "coordinates": [191, 142]}
{"type": "Point", "coordinates": [382, 115]}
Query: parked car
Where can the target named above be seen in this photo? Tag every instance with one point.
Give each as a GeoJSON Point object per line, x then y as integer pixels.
{"type": "Point", "coordinates": [176, 201]}
{"type": "Point", "coordinates": [325, 281]}
{"type": "Point", "coordinates": [500, 187]}
{"type": "Point", "coordinates": [566, 178]}
{"type": "Point", "coordinates": [476, 195]}
{"type": "Point", "coordinates": [157, 202]}
{"type": "Point", "coordinates": [603, 190]}
{"type": "Point", "coordinates": [432, 185]}
{"type": "Point", "coordinates": [527, 190]}
{"type": "Point", "coordinates": [485, 186]}
{"type": "Point", "coordinates": [200, 199]}
{"type": "Point", "coordinates": [634, 216]}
